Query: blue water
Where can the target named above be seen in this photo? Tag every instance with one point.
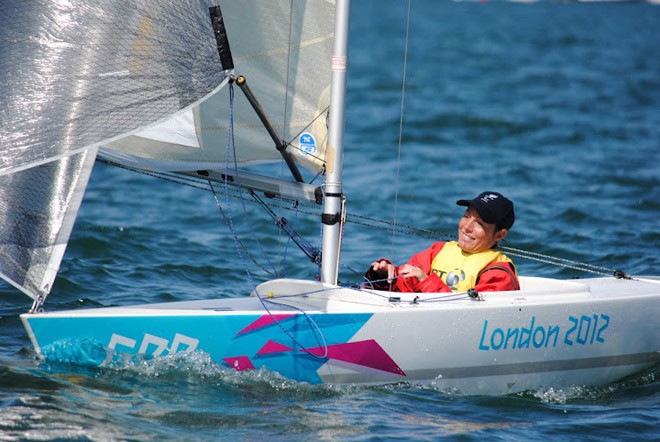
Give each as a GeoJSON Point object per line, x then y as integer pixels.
{"type": "Point", "coordinates": [556, 105]}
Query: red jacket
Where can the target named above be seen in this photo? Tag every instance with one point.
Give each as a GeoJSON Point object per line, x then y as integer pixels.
{"type": "Point", "coordinates": [492, 278]}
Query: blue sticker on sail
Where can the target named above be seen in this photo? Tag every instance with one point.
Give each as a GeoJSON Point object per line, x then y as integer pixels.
{"type": "Point", "coordinates": [308, 143]}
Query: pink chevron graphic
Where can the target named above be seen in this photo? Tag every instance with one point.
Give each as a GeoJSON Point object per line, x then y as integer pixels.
{"type": "Point", "coordinates": [273, 347]}
{"type": "Point", "coordinates": [265, 321]}
{"type": "Point", "coordinates": [239, 363]}
{"type": "Point", "coordinates": [366, 353]}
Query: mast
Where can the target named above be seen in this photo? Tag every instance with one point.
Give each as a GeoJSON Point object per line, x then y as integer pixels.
{"type": "Point", "coordinates": [332, 210]}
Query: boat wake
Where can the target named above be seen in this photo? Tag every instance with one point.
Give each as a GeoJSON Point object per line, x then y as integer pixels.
{"type": "Point", "coordinates": [195, 368]}
{"type": "Point", "coordinates": [594, 395]}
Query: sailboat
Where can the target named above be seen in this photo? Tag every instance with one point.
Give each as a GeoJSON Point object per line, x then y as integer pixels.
{"type": "Point", "coordinates": [194, 90]}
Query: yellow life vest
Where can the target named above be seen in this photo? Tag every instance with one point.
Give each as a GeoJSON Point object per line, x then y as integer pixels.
{"type": "Point", "coordinates": [460, 270]}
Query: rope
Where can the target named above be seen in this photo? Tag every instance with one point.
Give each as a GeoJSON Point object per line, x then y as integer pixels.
{"type": "Point", "coordinates": [441, 298]}
{"type": "Point", "coordinates": [236, 238]}
{"type": "Point", "coordinates": [231, 141]}
{"type": "Point", "coordinates": [322, 343]}
{"type": "Point", "coordinates": [228, 219]}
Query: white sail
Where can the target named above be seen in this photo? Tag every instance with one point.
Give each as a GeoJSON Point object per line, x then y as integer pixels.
{"type": "Point", "coordinates": [283, 49]}
{"type": "Point", "coordinates": [76, 75]}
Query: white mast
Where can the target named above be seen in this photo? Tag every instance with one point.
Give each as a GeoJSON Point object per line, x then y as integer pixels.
{"type": "Point", "coordinates": [332, 210]}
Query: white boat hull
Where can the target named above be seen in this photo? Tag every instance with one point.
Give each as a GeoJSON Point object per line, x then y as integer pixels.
{"type": "Point", "coordinates": [550, 334]}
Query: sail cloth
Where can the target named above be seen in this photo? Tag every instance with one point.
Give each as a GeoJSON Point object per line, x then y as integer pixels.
{"type": "Point", "coordinates": [283, 48]}
{"type": "Point", "coordinates": [38, 207]}
{"type": "Point", "coordinates": [77, 73]}
{"type": "Point", "coordinates": [74, 75]}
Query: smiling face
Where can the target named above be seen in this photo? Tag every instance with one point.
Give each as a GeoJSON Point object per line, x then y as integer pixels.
{"type": "Point", "coordinates": [476, 235]}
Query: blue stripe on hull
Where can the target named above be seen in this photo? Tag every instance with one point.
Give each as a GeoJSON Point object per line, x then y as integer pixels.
{"type": "Point", "coordinates": [238, 341]}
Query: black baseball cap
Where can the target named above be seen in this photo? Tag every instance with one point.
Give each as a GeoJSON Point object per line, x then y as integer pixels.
{"type": "Point", "coordinates": [493, 207]}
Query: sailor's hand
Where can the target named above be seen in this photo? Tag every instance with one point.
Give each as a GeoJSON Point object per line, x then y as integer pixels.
{"type": "Point", "coordinates": [408, 271]}
{"type": "Point", "coordinates": [381, 265]}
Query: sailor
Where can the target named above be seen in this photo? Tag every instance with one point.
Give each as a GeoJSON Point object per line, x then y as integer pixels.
{"type": "Point", "coordinates": [472, 262]}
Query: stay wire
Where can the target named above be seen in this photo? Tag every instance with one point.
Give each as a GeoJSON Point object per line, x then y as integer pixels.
{"type": "Point", "coordinates": [369, 222]}
{"type": "Point", "coordinates": [403, 96]}
{"type": "Point", "coordinates": [561, 262]}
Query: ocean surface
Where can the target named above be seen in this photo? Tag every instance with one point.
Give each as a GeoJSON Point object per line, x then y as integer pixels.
{"type": "Point", "coordinates": [556, 105]}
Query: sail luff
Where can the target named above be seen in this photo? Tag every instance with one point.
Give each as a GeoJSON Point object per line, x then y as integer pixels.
{"type": "Point", "coordinates": [333, 201]}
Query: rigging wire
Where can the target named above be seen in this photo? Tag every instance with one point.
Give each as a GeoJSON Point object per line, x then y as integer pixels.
{"type": "Point", "coordinates": [303, 207]}
{"type": "Point", "coordinates": [236, 238]}
{"type": "Point", "coordinates": [231, 145]}
{"type": "Point", "coordinates": [322, 342]}
{"type": "Point", "coordinates": [240, 247]}
{"type": "Point", "coordinates": [563, 262]}
{"type": "Point", "coordinates": [403, 96]}
{"type": "Point", "coordinates": [228, 219]}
